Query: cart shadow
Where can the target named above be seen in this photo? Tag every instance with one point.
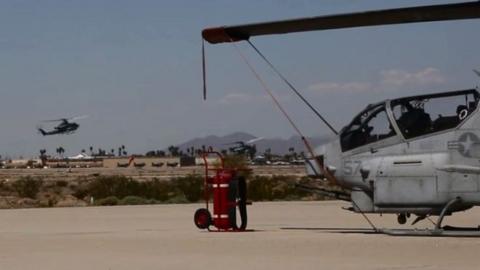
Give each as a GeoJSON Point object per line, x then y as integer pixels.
{"type": "Point", "coordinates": [230, 231]}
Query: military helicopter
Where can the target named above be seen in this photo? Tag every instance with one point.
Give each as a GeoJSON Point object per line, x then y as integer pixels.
{"type": "Point", "coordinates": [416, 155]}
{"type": "Point", "coordinates": [242, 148]}
{"type": "Point", "coordinates": [66, 126]}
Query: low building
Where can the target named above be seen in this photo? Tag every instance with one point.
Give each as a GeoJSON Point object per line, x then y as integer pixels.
{"type": "Point", "coordinates": [74, 163]}
{"type": "Point", "coordinates": [141, 162]}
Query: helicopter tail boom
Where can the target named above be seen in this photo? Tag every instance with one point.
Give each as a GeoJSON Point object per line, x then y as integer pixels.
{"type": "Point", "coordinates": [43, 132]}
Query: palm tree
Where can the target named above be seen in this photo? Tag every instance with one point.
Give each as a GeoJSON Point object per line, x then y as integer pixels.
{"type": "Point", "coordinates": [173, 150]}
{"type": "Point", "coordinates": [268, 153]}
{"type": "Point", "coordinates": [252, 151]}
{"type": "Point", "coordinates": [291, 153]}
{"type": "Point", "coordinates": [60, 151]}
{"type": "Point", "coordinates": [43, 156]}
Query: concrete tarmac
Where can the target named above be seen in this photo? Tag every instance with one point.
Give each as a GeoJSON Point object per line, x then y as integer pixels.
{"type": "Point", "coordinates": [286, 235]}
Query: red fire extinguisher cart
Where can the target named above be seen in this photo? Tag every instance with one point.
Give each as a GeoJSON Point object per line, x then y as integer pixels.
{"type": "Point", "coordinates": [228, 191]}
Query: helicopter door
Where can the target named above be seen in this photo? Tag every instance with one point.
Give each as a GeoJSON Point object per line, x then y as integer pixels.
{"type": "Point", "coordinates": [368, 137]}
{"type": "Point", "coordinates": [406, 180]}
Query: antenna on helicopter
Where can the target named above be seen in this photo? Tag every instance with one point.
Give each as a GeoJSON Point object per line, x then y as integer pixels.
{"type": "Point", "coordinates": [476, 72]}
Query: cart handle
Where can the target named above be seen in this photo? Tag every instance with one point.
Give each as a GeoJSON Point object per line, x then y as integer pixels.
{"type": "Point", "coordinates": [207, 153]}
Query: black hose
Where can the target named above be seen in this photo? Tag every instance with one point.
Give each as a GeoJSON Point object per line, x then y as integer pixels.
{"type": "Point", "coordinates": [237, 195]}
{"type": "Point", "coordinates": [242, 202]}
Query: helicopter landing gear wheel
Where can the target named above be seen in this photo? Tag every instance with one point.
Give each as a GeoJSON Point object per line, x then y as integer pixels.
{"type": "Point", "coordinates": [202, 218]}
{"type": "Point", "coordinates": [402, 218]}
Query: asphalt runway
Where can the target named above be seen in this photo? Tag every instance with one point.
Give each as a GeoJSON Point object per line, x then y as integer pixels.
{"type": "Point", "coordinates": [286, 235]}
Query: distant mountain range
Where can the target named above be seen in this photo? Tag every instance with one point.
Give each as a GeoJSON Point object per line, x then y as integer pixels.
{"type": "Point", "coordinates": [277, 145]}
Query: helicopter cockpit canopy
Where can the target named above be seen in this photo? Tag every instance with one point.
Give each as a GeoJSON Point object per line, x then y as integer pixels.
{"type": "Point", "coordinates": [421, 115]}
{"type": "Point", "coordinates": [411, 116]}
{"type": "Point", "coordinates": [370, 126]}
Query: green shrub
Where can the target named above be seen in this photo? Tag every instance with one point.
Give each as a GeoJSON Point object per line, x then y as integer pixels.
{"type": "Point", "coordinates": [61, 183]}
{"type": "Point", "coordinates": [158, 190]}
{"type": "Point", "coordinates": [80, 191]}
{"type": "Point", "coordinates": [133, 200]}
{"type": "Point", "coordinates": [27, 187]}
{"type": "Point", "coordinates": [179, 198]}
{"type": "Point", "coordinates": [111, 200]}
{"type": "Point", "coordinates": [153, 201]}
{"type": "Point", "coordinates": [262, 188]}
{"type": "Point", "coordinates": [182, 189]}
{"type": "Point", "coordinates": [105, 186]}
{"type": "Point", "coordinates": [5, 187]}
{"type": "Point", "coordinates": [258, 188]}
{"type": "Point", "coordinates": [121, 187]}
{"type": "Point", "coordinates": [191, 186]}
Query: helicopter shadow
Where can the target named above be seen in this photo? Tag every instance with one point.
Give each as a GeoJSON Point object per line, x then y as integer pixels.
{"type": "Point", "coordinates": [333, 230]}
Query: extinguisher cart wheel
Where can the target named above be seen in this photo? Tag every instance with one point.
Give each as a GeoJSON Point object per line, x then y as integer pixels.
{"type": "Point", "coordinates": [202, 218]}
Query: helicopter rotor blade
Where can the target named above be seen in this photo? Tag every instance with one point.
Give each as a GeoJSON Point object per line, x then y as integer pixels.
{"type": "Point", "coordinates": [445, 12]}
{"type": "Point", "coordinates": [54, 120]}
{"type": "Point", "coordinates": [232, 143]}
{"type": "Point", "coordinates": [254, 140]}
{"type": "Point", "coordinates": [77, 117]}
{"type": "Point", "coordinates": [66, 119]}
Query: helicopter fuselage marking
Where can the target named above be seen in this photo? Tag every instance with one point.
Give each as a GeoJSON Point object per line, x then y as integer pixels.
{"type": "Point", "coordinates": [351, 167]}
{"type": "Point", "coordinates": [465, 144]}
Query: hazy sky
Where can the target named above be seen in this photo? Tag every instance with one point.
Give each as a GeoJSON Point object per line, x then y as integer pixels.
{"type": "Point", "coordinates": [134, 68]}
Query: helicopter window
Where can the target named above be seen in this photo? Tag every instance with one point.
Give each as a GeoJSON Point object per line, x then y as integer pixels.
{"type": "Point", "coordinates": [370, 126]}
{"type": "Point", "coordinates": [420, 116]}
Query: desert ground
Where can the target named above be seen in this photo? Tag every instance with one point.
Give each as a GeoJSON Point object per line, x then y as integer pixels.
{"type": "Point", "coordinates": [285, 235]}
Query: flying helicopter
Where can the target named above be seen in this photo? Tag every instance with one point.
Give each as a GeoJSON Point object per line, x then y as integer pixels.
{"type": "Point", "coordinates": [66, 126]}
{"type": "Point", "coordinates": [242, 148]}
{"type": "Point", "coordinates": [416, 155]}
